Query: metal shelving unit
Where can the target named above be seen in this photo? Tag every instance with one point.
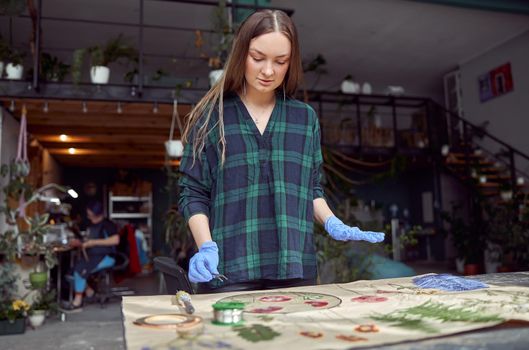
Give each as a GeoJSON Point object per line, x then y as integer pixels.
{"type": "Point", "coordinates": [116, 211]}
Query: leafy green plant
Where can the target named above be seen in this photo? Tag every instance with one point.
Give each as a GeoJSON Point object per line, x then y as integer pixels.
{"type": "Point", "coordinates": [52, 69]}
{"type": "Point", "coordinates": [413, 318]}
{"type": "Point", "coordinates": [4, 50]}
{"type": "Point", "coordinates": [220, 40]}
{"type": "Point", "coordinates": [508, 228]}
{"type": "Point", "coordinates": [12, 7]}
{"type": "Point", "coordinates": [177, 236]}
{"type": "Point", "coordinates": [256, 333]}
{"type": "Point", "coordinates": [45, 300]}
{"type": "Point", "coordinates": [15, 57]}
{"type": "Point", "coordinates": [468, 235]}
{"type": "Point", "coordinates": [102, 55]}
{"type": "Point", "coordinates": [30, 231]}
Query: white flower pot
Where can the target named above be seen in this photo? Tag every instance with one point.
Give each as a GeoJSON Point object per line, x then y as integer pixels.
{"type": "Point", "coordinates": [506, 195]}
{"type": "Point", "coordinates": [366, 88]}
{"type": "Point", "coordinates": [37, 318]}
{"type": "Point", "coordinates": [349, 87]}
{"type": "Point", "coordinates": [99, 74]}
{"type": "Point", "coordinates": [14, 72]}
{"type": "Point", "coordinates": [1, 69]}
{"type": "Point", "coordinates": [214, 76]}
{"type": "Point", "coordinates": [174, 148]}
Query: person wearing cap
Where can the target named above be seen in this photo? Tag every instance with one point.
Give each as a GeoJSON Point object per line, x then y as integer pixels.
{"type": "Point", "coordinates": [102, 237]}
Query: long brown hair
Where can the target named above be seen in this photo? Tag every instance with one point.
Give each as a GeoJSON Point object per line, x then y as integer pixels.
{"type": "Point", "coordinates": [232, 80]}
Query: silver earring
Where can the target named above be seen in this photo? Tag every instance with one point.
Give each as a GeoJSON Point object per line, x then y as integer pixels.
{"type": "Point", "coordinates": [284, 93]}
{"type": "Point", "coordinates": [244, 87]}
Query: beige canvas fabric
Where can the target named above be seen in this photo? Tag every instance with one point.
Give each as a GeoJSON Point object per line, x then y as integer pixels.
{"type": "Point", "coordinates": [370, 313]}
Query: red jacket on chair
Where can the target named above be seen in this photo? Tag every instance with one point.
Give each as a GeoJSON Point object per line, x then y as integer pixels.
{"type": "Point", "coordinates": [127, 245]}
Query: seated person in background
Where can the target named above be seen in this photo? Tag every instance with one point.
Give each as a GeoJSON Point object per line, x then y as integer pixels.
{"type": "Point", "coordinates": [101, 239]}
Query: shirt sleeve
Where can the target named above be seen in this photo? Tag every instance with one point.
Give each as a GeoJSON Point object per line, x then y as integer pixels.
{"type": "Point", "coordinates": [317, 159]}
{"type": "Point", "coordinates": [108, 229]}
{"type": "Point", "coordinates": [195, 183]}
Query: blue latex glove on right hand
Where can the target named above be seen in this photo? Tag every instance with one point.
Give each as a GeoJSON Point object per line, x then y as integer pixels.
{"type": "Point", "coordinates": [341, 232]}
{"type": "Point", "coordinates": [203, 265]}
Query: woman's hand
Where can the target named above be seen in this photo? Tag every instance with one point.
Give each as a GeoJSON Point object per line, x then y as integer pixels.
{"type": "Point", "coordinates": [203, 265]}
{"type": "Point", "coordinates": [341, 232]}
{"type": "Point", "coordinates": [88, 244]}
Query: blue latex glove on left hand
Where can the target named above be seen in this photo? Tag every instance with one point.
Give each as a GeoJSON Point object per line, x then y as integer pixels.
{"type": "Point", "coordinates": [203, 265]}
{"type": "Point", "coordinates": [341, 232]}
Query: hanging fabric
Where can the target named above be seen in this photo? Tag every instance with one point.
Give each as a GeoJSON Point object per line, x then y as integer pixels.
{"type": "Point", "coordinates": [22, 166]}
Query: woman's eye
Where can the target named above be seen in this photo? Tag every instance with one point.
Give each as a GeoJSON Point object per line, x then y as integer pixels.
{"type": "Point", "coordinates": [257, 59]}
{"type": "Point", "coordinates": [281, 63]}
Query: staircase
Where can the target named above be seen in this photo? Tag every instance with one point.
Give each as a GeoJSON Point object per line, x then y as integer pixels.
{"type": "Point", "coordinates": [491, 178]}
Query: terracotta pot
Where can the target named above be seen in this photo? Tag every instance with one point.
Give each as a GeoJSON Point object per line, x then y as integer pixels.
{"type": "Point", "coordinates": [471, 269]}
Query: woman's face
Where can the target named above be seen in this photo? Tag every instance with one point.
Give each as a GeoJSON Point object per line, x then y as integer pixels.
{"type": "Point", "coordinates": [267, 62]}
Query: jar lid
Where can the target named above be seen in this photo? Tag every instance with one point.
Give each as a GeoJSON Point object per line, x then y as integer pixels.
{"type": "Point", "coordinates": [231, 305]}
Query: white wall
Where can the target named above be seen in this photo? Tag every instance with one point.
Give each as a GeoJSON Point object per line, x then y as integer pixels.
{"type": "Point", "coordinates": [508, 114]}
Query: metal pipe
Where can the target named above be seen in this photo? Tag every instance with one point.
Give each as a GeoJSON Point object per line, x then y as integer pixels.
{"type": "Point", "coordinates": [36, 61]}
{"type": "Point", "coordinates": [394, 114]}
{"type": "Point", "coordinates": [290, 12]}
{"type": "Point", "coordinates": [140, 63]}
{"type": "Point", "coordinates": [121, 24]}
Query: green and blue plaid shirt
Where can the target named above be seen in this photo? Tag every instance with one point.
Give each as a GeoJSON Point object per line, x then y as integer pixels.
{"type": "Point", "coordinates": [260, 203]}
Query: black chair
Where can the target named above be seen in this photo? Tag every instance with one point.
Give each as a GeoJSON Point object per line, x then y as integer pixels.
{"type": "Point", "coordinates": [103, 277]}
{"type": "Point", "coordinates": [174, 277]}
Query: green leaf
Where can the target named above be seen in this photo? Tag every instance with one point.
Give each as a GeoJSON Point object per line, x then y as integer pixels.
{"type": "Point", "coordinates": [256, 333]}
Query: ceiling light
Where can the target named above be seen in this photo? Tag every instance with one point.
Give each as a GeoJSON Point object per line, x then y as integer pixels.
{"type": "Point", "coordinates": [72, 193]}
{"type": "Point", "coordinates": [55, 200]}
{"type": "Point", "coordinates": [45, 108]}
{"type": "Point", "coordinates": [71, 150]}
{"type": "Point", "coordinates": [520, 181]}
{"type": "Point", "coordinates": [119, 109]}
{"type": "Point", "coordinates": [85, 108]}
{"type": "Point", "coordinates": [445, 149]}
{"type": "Point", "coordinates": [63, 138]}
{"type": "Point", "coordinates": [482, 179]}
{"type": "Point", "coordinates": [155, 108]}
{"type": "Point", "coordinates": [12, 106]}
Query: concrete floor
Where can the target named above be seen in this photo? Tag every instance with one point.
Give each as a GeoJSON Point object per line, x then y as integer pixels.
{"type": "Point", "coordinates": [98, 328]}
{"type": "Point", "coordinates": [94, 328]}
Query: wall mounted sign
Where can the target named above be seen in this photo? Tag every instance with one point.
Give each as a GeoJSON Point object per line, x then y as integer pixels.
{"type": "Point", "coordinates": [495, 83]}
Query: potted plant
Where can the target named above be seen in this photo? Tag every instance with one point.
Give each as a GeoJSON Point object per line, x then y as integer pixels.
{"type": "Point", "coordinates": [316, 65]}
{"type": "Point", "coordinates": [42, 305]}
{"type": "Point", "coordinates": [100, 59]}
{"type": "Point", "coordinates": [468, 240]}
{"type": "Point", "coordinates": [13, 311]}
{"type": "Point", "coordinates": [14, 68]}
{"type": "Point", "coordinates": [4, 54]}
{"type": "Point", "coordinates": [506, 190]}
{"type": "Point", "coordinates": [349, 86]}
{"type": "Point", "coordinates": [52, 69]}
{"type": "Point", "coordinates": [221, 41]}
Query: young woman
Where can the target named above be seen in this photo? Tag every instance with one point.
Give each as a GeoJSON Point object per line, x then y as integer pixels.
{"type": "Point", "coordinates": [99, 245]}
{"type": "Point", "coordinates": [251, 169]}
